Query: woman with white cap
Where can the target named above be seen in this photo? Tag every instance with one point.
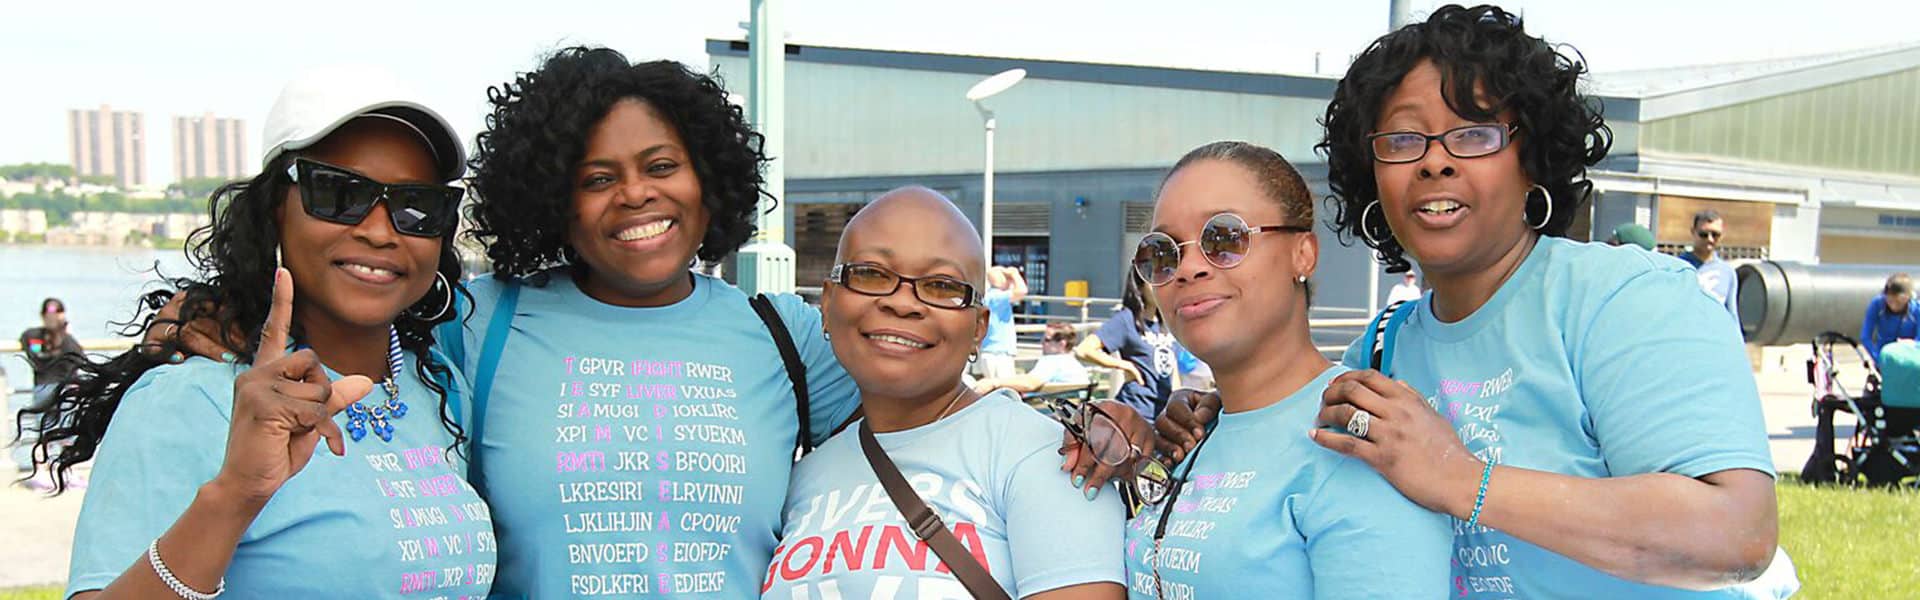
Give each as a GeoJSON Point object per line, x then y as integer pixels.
{"type": "Point", "coordinates": [205, 474]}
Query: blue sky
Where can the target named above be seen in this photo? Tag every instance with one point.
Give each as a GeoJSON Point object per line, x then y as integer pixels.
{"type": "Point", "coordinates": [228, 57]}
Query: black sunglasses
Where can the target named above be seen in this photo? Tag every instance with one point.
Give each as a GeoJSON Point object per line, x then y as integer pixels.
{"type": "Point", "coordinates": [1708, 235]}
{"type": "Point", "coordinates": [938, 291]}
{"type": "Point", "coordinates": [339, 195]}
{"type": "Point", "coordinates": [1224, 242]}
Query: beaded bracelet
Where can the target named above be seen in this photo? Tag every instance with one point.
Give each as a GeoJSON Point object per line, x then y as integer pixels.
{"type": "Point", "coordinates": [173, 583]}
{"type": "Point", "coordinates": [1480, 500]}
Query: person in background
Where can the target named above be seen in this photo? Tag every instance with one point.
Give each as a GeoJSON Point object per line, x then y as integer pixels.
{"type": "Point", "coordinates": [1716, 276]}
{"type": "Point", "coordinates": [1632, 233]}
{"type": "Point", "coordinates": [1135, 341]}
{"type": "Point", "coordinates": [1407, 291]}
{"type": "Point", "coordinates": [1005, 286]}
{"type": "Point", "coordinates": [44, 347]}
{"type": "Point", "coordinates": [1892, 316]}
{"type": "Point", "coordinates": [1057, 365]}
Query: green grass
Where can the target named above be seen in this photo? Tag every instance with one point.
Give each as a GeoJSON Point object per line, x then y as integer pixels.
{"type": "Point", "coordinates": [1845, 542]}
{"type": "Point", "coordinates": [1851, 543]}
{"type": "Point", "coordinates": [38, 592]}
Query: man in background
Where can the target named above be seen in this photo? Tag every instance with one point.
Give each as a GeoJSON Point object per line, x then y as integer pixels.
{"type": "Point", "coordinates": [1716, 276]}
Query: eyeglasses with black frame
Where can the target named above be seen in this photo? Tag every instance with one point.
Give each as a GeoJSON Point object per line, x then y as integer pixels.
{"type": "Point", "coordinates": [1224, 242]}
{"type": "Point", "coordinates": [340, 195]}
{"type": "Point", "coordinates": [1471, 141]}
{"type": "Point", "coordinates": [938, 291]}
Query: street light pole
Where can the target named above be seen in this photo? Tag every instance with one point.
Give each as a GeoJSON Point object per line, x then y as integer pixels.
{"type": "Point", "coordinates": [986, 206]}
{"type": "Point", "coordinates": [978, 94]}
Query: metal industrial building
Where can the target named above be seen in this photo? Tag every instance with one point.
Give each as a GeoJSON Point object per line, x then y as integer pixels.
{"type": "Point", "coordinates": [1810, 159]}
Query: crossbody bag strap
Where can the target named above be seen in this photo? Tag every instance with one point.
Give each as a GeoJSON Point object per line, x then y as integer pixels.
{"type": "Point", "coordinates": [926, 525]}
{"type": "Point", "coordinates": [490, 350]}
{"type": "Point", "coordinates": [796, 369]}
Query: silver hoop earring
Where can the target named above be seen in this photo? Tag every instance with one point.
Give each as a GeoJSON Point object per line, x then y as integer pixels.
{"type": "Point", "coordinates": [440, 281]}
{"type": "Point", "coordinates": [1364, 232]}
{"type": "Point", "coordinates": [824, 334]}
{"type": "Point", "coordinates": [974, 357]}
{"type": "Point", "coordinates": [1544, 194]}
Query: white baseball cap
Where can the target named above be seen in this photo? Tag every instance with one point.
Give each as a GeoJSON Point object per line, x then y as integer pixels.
{"type": "Point", "coordinates": [319, 101]}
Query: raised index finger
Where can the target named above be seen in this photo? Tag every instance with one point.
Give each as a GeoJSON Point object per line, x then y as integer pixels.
{"type": "Point", "coordinates": [273, 336]}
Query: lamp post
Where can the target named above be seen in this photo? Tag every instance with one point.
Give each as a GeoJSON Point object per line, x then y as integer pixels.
{"type": "Point", "coordinates": [978, 94]}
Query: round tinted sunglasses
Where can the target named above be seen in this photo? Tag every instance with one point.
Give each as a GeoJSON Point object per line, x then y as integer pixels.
{"type": "Point", "coordinates": [339, 195]}
{"type": "Point", "coordinates": [1224, 242]}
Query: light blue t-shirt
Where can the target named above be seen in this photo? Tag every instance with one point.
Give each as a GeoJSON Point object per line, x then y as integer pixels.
{"type": "Point", "coordinates": [1592, 361]}
{"type": "Point", "coordinates": [388, 520]}
{"type": "Point", "coordinates": [1720, 281]}
{"type": "Point", "coordinates": [1267, 513]}
{"type": "Point", "coordinates": [643, 451]}
{"type": "Point", "coordinates": [1059, 368]}
{"type": "Point", "coordinates": [1000, 338]}
{"type": "Point", "coordinates": [992, 473]}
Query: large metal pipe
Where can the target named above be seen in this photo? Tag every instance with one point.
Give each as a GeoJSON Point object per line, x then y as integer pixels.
{"type": "Point", "coordinates": [1783, 303]}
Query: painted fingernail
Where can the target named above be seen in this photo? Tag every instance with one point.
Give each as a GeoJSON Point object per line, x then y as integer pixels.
{"type": "Point", "coordinates": [1079, 480]}
{"type": "Point", "coordinates": [178, 357]}
{"type": "Point", "coordinates": [227, 357]}
{"type": "Point", "coordinates": [1092, 493]}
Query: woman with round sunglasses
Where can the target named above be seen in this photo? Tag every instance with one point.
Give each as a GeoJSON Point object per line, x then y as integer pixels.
{"type": "Point", "coordinates": [205, 474]}
{"type": "Point", "coordinates": [903, 311]}
{"type": "Point", "coordinates": [1257, 509]}
{"type": "Point", "coordinates": [1598, 430]}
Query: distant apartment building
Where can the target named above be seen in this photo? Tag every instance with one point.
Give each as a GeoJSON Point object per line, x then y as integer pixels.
{"type": "Point", "coordinates": [108, 142]}
{"type": "Point", "coordinates": [209, 146]}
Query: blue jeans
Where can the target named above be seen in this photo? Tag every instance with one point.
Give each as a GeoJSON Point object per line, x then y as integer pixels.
{"type": "Point", "coordinates": [23, 447]}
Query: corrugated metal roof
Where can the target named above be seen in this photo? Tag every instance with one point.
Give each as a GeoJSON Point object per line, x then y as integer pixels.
{"type": "Point", "coordinates": [1645, 83]}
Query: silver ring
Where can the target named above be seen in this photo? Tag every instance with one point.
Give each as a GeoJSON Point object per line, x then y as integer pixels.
{"type": "Point", "coordinates": [1359, 422]}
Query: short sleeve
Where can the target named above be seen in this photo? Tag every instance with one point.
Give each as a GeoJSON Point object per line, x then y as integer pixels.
{"type": "Point", "coordinates": [165, 440]}
{"type": "Point", "coordinates": [1057, 537]}
{"type": "Point", "coordinates": [999, 301]}
{"type": "Point", "coordinates": [831, 394]}
{"type": "Point", "coordinates": [1365, 540]}
{"type": "Point", "coordinates": [1115, 332]}
{"type": "Point", "coordinates": [1046, 371]}
{"type": "Point", "coordinates": [1653, 414]}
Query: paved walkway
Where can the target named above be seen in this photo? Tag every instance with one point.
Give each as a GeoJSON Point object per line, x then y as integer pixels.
{"type": "Point", "coordinates": [38, 531]}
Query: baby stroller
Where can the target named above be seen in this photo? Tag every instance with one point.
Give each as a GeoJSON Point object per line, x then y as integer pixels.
{"type": "Point", "coordinates": [1885, 446]}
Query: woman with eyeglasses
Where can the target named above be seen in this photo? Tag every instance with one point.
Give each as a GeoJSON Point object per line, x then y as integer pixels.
{"type": "Point", "coordinates": [1256, 509]}
{"type": "Point", "coordinates": [902, 308]}
{"type": "Point", "coordinates": [209, 476]}
{"type": "Point", "coordinates": [1584, 413]}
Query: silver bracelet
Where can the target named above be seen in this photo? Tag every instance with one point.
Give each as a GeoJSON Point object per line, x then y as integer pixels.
{"type": "Point", "coordinates": [173, 583]}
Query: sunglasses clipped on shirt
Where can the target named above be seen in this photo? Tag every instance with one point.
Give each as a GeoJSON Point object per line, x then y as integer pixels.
{"type": "Point", "coordinates": [340, 195]}
{"type": "Point", "coordinates": [1224, 242]}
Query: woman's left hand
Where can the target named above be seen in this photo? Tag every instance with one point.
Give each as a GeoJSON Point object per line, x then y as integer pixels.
{"type": "Point", "coordinates": [1089, 473]}
{"type": "Point", "coordinates": [1406, 441]}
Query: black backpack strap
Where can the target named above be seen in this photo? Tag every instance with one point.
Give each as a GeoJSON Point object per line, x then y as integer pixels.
{"type": "Point", "coordinates": [796, 370]}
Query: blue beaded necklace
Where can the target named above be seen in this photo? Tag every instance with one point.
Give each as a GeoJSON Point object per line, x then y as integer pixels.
{"type": "Point", "coordinates": [380, 418]}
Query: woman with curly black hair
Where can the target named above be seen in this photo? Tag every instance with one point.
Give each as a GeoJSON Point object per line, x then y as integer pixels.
{"type": "Point", "coordinates": [208, 467]}
{"type": "Point", "coordinates": [1598, 431]}
{"type": "Point", "coordinates": [598, 183]}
